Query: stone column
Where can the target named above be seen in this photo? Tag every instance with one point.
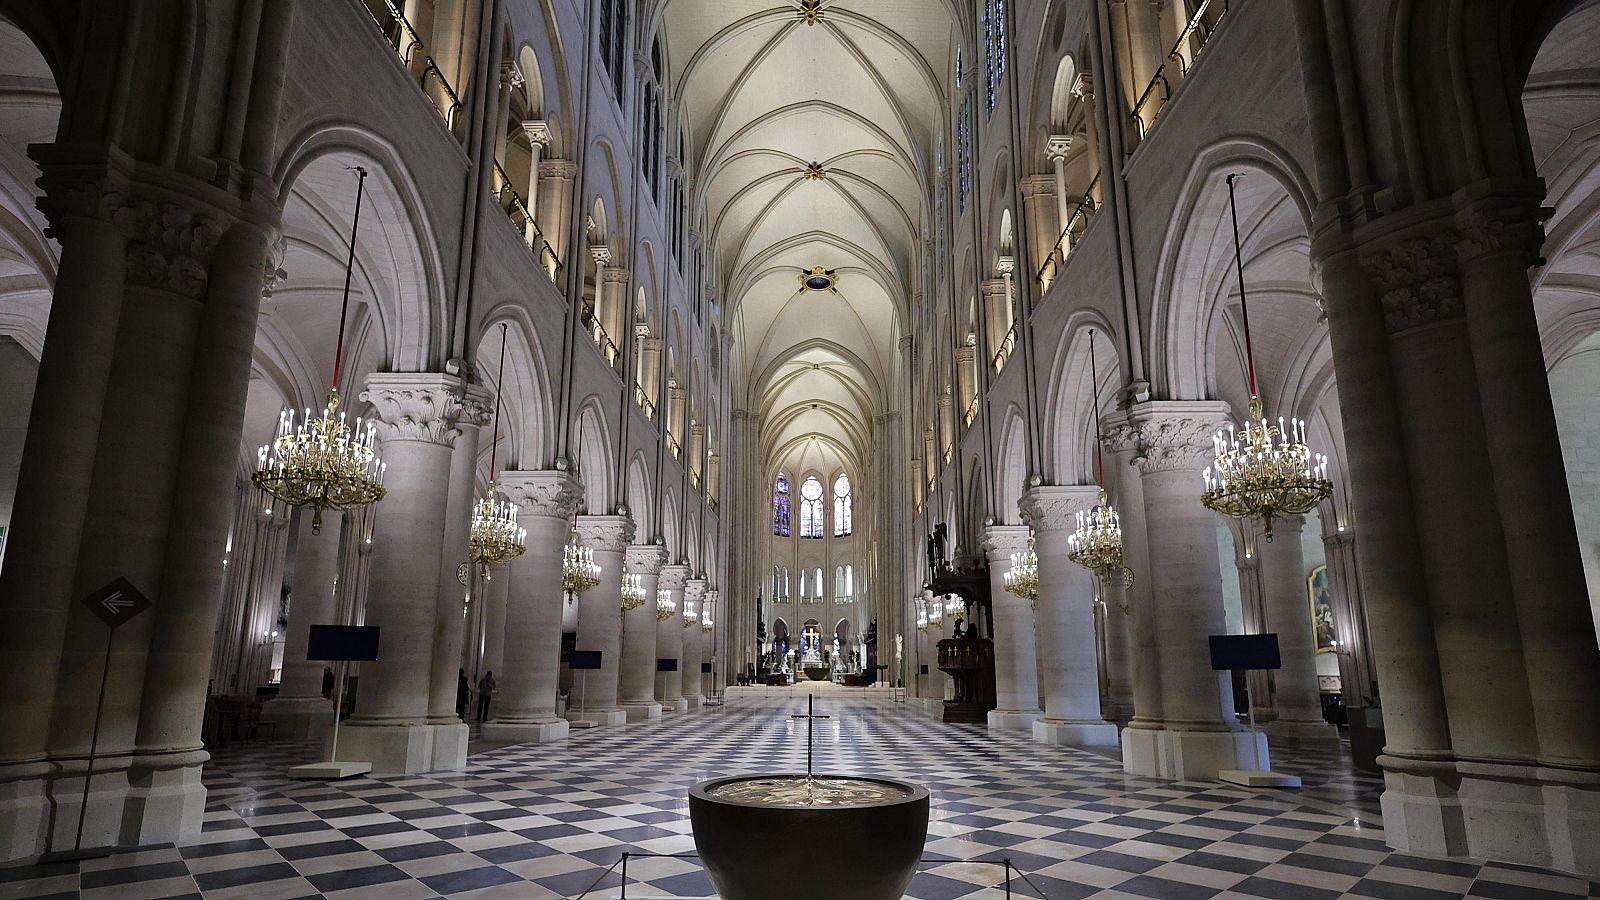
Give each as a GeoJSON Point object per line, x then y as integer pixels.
{"type": "Point", "coordinates": [669, 641]}
{"type": "Point", "coordinates": [416, 414]}
{"type": "Point", "coordinates": [476, 405]}
{"type": "Point", "coordinates": [1016, 671]}
{"type": "Point", "coordinates": [600, 622]}
{"type": "Point", "coordinates": [1501, 238]}
{"type": "Point", "coordinates": [1116, 596]}
{"type": "Point", "coordinates": [300, 711]}
{"type": "Point", "coordinates": [612, 310]}
{"type": "Point", "coordinates": [555, 199]}
{"type": "Point", "coordinates": [538, 133]}
{"type": "Point", "coordinates": [1071, 687]}
{"type": "Point", "coordinates": [639, 636]}
{"type": "Point", "coordinates": [525, 710]}
{"type": "Point", "coordinates": [1296, 699]}
{"type": "Point", "coordinates": [1198, 734]}
{"type": "Point", "coordinates": [1056, 152]}
{"type": "Point", "coordinates": [996, 311]}
{"type": "Point", "coordinates": [694, 591]}
{"type": "Point", "coordinates": [494, 595]}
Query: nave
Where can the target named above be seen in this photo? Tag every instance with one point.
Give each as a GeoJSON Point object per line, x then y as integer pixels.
{"type": "Point", "coordinates": [549, 821]}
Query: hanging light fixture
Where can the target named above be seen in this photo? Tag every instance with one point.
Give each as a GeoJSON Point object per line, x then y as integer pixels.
{"type": "Point", "coordinates": [1023, 577]}
{"type": "Point", "coordinates": [689, 617]}
{"type": "Point", "coordinates": [495, 536]}
{"type": "Point", "coordinates": [665, 607]}
{"type": "Point", "coordinates": [706, 623]}
{"type": "Point", "coordinates": [632, 589]}
{"type": "Point", "coordinates": [1262, 470]}
{"type": "Point", "coordinates": [1096, 544]}
{"type": "Point", "coordinates": [579, 571]}
{"type": "Point", "coordinates": [935, 608]}
{"type": "Point", "coordinates": [325, 463]}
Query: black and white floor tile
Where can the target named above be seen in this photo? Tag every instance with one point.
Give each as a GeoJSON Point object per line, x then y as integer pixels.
{"type": "Point", "coordinates": [549, 821]}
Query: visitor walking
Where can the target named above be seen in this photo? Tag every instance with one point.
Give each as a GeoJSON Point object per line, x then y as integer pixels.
{"type": "Point", "coordinates": [461, 694]}
{"type": "Point", "coordinates": [485, 692]}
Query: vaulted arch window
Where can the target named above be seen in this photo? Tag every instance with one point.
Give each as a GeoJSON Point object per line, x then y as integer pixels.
{"type": "Point", "coordinates": [994, 50]}
{"type": "Point", "coordinates": [811, 511]}
{"type": "Point", "coordinates": [841, 506]}
{"type": "Point", "coordinates": [780, 584]}
{"type": "Point", "coordinates": [844, 584]}
{"type": "Point", "coordinates": [780, 506]}
{"type": "Point", "coordinates": [963, 139]}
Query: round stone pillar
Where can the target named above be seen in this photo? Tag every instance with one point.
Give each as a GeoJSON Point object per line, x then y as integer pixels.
{"type": "Point", "coordinates": [669, 641]}
{"type": "Point", "coordinates": [495, 595]}
{"type": "Point", "coordinates": [594, 692]}
{"type": "Point", "coordinates": [1016, 672]}
{"type": "Point", "coordinates": [639, 636]}
{"type": "Point", "coordinates": [1296, 699]}
{"type": "Point", "coordinates": [530, 669]}
{"type": "Point", "coordinates": [1065, 615]}
{"type": "Point", "coordinates": [416, 415]}
{"type": "Point", "coordinates": [1144, 662]}
{"type": "Point", "coordinates": [449, 625]}
{"type": "Point", "coordinates": [1198, 734]}
{"type": "Point", "coordinates": [694, 593]}
{"type": "Point", "coordinates": [300, 712]}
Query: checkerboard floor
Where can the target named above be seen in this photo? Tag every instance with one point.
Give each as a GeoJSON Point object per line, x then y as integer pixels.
{"type": "Point", "coordinates": [547, 821]}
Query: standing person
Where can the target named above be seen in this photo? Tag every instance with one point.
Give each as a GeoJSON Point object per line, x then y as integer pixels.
{"type": "Point", "coordinates": [485, 692]}
{"type": "Point", "coordinates": [461, 694]}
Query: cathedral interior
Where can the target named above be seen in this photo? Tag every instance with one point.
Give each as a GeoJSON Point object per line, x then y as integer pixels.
{"type": "Point", "coordinates": [1105, 414]}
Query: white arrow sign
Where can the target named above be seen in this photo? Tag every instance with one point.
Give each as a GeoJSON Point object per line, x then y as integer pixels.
{"type": "Point", "coordinates": [117, 602]}
{"type": "Point", "coordinates": [114, 603]}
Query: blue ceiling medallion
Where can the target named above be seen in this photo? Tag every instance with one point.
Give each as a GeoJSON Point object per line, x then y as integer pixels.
{"type": "Point", "coordinates": [819, 279]}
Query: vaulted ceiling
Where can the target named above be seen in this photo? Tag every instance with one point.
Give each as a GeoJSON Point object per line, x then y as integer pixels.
{"type": "Point", "coordinates": [811, 139]}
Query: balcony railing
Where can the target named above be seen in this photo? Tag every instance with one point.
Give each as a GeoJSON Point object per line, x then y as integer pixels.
{"type": "Point", "coordinates": [516, 209]}
{"type": "Point", "coordinates": [597, 332]}
{"type": "Point", "coordinates": [413, 53]}
{"type": "Point", "coordinates": [1007, 345]}
{"type": "Point", "coordinates": [971, 412]}
{"type": "Point", "coordinates": [1078, 219]}
{"type": "Point", "coordinates": [673, 446]}
{"type": "Point", "coordinates": [1185, 52]}
{"type": "Point", "coordinates": [643, 399]}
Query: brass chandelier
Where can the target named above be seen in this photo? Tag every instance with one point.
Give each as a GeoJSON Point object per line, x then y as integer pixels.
{"type": "Point", "coordinates": [665, 607]}
{"type": "Point", "coordinates": [689, 617]}
{"type": "Point", "coordinates": [495, 536]}
{"type": "Point", "coordinates": [325, 463]}
{"type": "Point", "coordinates": [1023, 577]}
{"type": "Point", "coordinates": [706, 606]}
{"type": "Point", "coordinates": [1262, 470]}
{"type": "Point", "coordinates": [632, 589]}
{"type": "Point", "coordinates": [1096, 544]}
{"type": "Point", "coordinates": [922, 612]}
{"type": "Point", "coordinates": [579, 571]}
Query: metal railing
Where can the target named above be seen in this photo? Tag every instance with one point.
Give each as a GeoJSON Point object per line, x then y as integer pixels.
{"type": "Point", "coordinates": [1013, 872]}
{"type": "Point", "coordinates": [643, 399]}
{"type": "Point", "coordinates": [971, 412]}
{"type": "Point", "coordinates": [413, 52]}
{"type": "Point", "coordinates": [1178, 63]}
{"type": "Point", "coordinates": [521, 218]}
{"type": "Point", "coordinates": [1071, 232]}
{"type": "Point", "coordinates": [597, 332]}
{"type": "Point", "coordinates": [674, 446]}
{"type": "Point", "coordinates": [1007, 345]}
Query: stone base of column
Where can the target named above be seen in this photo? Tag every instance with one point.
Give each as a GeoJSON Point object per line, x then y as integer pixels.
{"type": "Point", "coordinates": [403, 749]}
{"type": "Point", "coordinates": [166, 802]}
{"type": "Point", "coordinates": [1064, 733]}
{"type": "Point", "coordinates": [24, 810]}
{"type": "Point", "coordinates": [641, 710]}
{"type": "Point", "coordinates": [1012, 719]}
{"type": "Point", "coordinates": [1191, 755]}
{"type": "Point", "coordinates": [103, 823]}
{"type": "Point", "coordinates": [1302, 734]}
{"type": "Point", "coordinates": [543, 731]}
{"type": "Point", "coordinates": [612, 716]}
{"type": "Point", "coordinates": [298, 718]}
{"type": "Point", "coordinates": [674, 705]}
{"type": "Point", "coordinates": [693, 701]}
{"type": "Point", "coordinates": [1117, 711]}
{"type": "Point", "coordinates": [1518, 814]}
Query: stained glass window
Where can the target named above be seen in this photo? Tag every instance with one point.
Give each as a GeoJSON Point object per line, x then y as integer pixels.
{"type": "Point", "coordinates": [780, 506]}
{"type": "Point", "coordinates": [841, 506]}
{"type": "Point", "coordinates": [811, 511]}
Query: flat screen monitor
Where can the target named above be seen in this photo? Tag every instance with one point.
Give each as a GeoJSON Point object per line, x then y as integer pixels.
{"type": "Point", "coordinates": [584, 659]}
{"type": "Point", "coordinates": [1245, 651]}
{"type": "Point", "coordinates": [343, 643]}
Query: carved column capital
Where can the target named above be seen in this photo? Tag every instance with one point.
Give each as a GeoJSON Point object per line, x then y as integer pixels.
{"type": "Point", "coordinates": [612, 533]}
{"type": "Point", "coordinates": [557, 168]}
{"type": "Point", "coordinates": [538, 132]}
{"type": "Point", "coordinates": [1493, 228]}
{"type": "Point", "coordinates": [1083, 87]}
{"type": "Point", "coordinates": [421, 406]}
{"type": "Point", "coordinates": [510, 75]}
{"type": "Point", "coordinates": [1418, 279]}
{"type": "Point", "coordinates": [694, 589]}
{"type": "Point", "coordinates": [542, 493]}
{"type": "Point", "coordinates": [1175, 434]}
{"type": "Point", "coordinates": [1034, 186]}
{"type": "Point", "coordinates": [1048, 507]}
{"type": "Point", "coordinates": [1057, 146]}
{"type": "Point", "coordinates": [646, 559]}
{"type": "Point", "coordinates": [613, 274]}
{"type": "Point", "coordinates": [674, 578]}
{"type": "Point", "coordinates": [1000, 541]}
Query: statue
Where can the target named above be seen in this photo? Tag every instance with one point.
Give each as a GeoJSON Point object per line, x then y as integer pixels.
{"type": "Point", "coordinates": [938, 539]}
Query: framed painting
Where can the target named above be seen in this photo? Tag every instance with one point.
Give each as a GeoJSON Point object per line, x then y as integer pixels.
{"type": "Point", "coordinates": [1323, 626]}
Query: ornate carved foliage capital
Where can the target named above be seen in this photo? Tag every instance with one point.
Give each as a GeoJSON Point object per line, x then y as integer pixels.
{"type": "Point", "coordinates": [646, 559]}
{"type": "Point", "coordinates": [1489, 232]}
{"type": "Point", "coordinates": [544, 493]}
{"type": "Point", "coordinates": [169, 243]}
{"type": "Point", "coordinates": [613, 533]}
{"type": "Point", "coordinates": [420, 406]}
{"type": "Point", "coordinates": [557, 168]}
{"type": "Point", "coordinates": [1418, 279]}
{"type": "Point", "coordinates": [695, 588]}
{"type": "Point", "coordinates": [1055, 507]}
{"type": "Point", "coordinates": [1000, 541]}
{"type": "Point", "coordinates": [1057, 147]}
{"type": "Point", "coordinates": [614, 274]}
{"type": "Point", "coordinates": [538, 131]}
{"type": "Point", "coordinates": [1175, 434]}
{"type": "Point", "coordinates": [674, 578]}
